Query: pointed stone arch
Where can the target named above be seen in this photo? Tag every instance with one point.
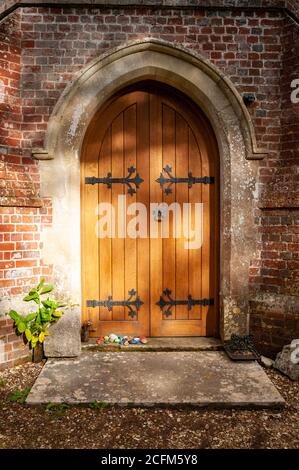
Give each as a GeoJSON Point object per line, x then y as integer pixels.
{"type": "Point", "coordinates": [150, 59]}
{"type": "Point", "coordinates": [217, 97]}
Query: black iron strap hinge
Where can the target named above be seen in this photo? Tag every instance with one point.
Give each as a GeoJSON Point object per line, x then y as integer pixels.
{"type": "Point", "coordinates": [169, 180]}
{"type": "Point", "coordinates": [169, 302]}
{"type": "Point", "coordinates": [129, 180]}
{"type": "Point", "coordinates": [132, 304]}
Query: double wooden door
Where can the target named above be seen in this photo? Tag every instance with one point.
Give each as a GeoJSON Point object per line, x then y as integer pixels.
{"type": "Point", "coordinates": [137, 280]}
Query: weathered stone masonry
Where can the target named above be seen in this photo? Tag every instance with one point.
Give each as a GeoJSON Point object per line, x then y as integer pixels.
{"type": "Point", "coordinates": [41, 51]}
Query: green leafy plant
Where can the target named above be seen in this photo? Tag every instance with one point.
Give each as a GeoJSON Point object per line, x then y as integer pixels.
{"type": "Point", "coordinates": [58, 408]}
{"type": "Point", "coordinates": [19, 396]}
{"type": "Point", "coordinates": [98, 405]}
{"type": "Point", "coordinates": [34, 326]}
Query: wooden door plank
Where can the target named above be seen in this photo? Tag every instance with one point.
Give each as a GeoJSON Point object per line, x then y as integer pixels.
{"type": "Point", "coordinates": [117, 244]}
{"type": "Point", "coordinates": [143, 197]}
{"type": "Point", "coordinates": [179, 328]}
{"type": "Point", "coordinates": [130, 243]}
{"type": "Point", "coordinates": [195, 270]}
{"type": "Point", "coordinates": [206, 247]}
{"type": "Point", "coordinates": [155, 197]}
{"type": "Point", "coordinates": [212, 318]}
{"type": "Point", "coordinates": [168, 129]}
{"type": "Point", "coordinates": [105, 243]}
{"type": "Point", "coordinates": [182, 281]}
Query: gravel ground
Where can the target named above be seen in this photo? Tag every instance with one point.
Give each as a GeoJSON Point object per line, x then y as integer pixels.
{"type": "Point", "coordinates": [24, 427]}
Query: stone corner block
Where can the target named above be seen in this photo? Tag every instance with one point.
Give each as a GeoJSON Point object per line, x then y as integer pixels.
{"type": "Point", "coordinates": [287, 361]}
{"type": "Point", "coordinates": [64, 338]}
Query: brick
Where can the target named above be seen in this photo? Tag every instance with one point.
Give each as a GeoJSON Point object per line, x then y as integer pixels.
{"type": "Point", "coordinates": [25, 263]}
{"type": "Point", "coordinates": [7, 228]}
{"type": "Point", "coordinates": [8, 347]}
{"type": "Point", "coordinates": [26, 228]}
{"type": "Point", "coordinates": [26, 246]}
{"type": "Point", "coordinates": [7, 246]}
{"type": "Point", "coordinates": [7, 264]}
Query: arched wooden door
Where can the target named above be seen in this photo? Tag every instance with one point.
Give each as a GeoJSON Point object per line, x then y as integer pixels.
{"type": "Point", "coordinates": [151, 284]}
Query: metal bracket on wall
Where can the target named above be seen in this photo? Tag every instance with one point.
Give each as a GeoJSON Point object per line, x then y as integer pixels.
{"type": "Point", "coordinates": [170, 179]}
{"type": "Point", "coordinates": [128, 180]}
{"type": "Point", "coordinates": [169, 302]}
{"type": "Point", "coordinates": [109, 303]}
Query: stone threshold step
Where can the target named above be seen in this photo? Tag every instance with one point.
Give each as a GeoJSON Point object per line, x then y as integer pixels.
{"type": "Point", "coordinates": [164, 344]}
{"type": "Point", "coordinates": [203, 379]}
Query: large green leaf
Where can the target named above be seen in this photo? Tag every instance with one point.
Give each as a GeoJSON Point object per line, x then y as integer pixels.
{"type": "Point", "coordinates": [14, 315]}
{"type": "Point", "coordinates": [45, 317]}
{"type": "Point", "coordinates": [41, 337]}
{"type": "Point", "coordinates": [32, 291]}
{"type": "Point", "coordinates": [38, 317]}
{"type": "Point", "coordinates": [30, 317]}
{"type": "Point", "coordinates": [47, 289]}
{"type": "Point", "coordinates": [28, 334]}
{"type": "Point", "coordinates": [45, 310]}
{"type": "Point", "coordinates": [50, 303]}
{"type": "Point", "coordinates": [34, 328]}
{"type": "Point", "coordinates": [21, 327]}
{"type": "Point", "coordinates": [41, 284]}
{"type": "Point", "coordinates": [30, 297]}
{"type": "Point", "coordinates": [57, 314]}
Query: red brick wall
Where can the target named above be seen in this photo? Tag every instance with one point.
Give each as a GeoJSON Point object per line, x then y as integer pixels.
{"type": "Point", "coordinates": [22, 212]}
{"type": "Point", "coordinates": [10, 57]}
{"type": "Point", "coordinates": [20, 267]}
{"type": "Point", "coordinates": [256, 49]}
{"type": "Point", "coordinates": [57, 42]}
{"type": "Point", "coordinates": [20, 239]}
{"type": "Point", "coordinates": [290, 117]}
{"type": "Point", "coordinates": [274, 313]}
{"type": "Point", "coordinates": [11, 347]}
{"type": "Point", "coordinates": [277, 269]}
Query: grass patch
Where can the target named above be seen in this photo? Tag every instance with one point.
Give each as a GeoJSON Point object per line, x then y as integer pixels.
{"type": "Point", "coordinates": [58, 409]}
{"type": "Point", "coordinates": [19, 396]}
{"type": "Point", "coordinates": [98, 405]}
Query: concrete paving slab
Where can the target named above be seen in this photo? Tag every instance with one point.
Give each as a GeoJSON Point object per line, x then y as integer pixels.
{"type": "Point", "coordinates": [191, 343]}
{"type": "Point", "coordinates": [203, 379]}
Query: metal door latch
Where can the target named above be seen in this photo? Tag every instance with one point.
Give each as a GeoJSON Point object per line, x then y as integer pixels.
{"type": "Point", "coordinates": [169, 302]}
{"type": "Point", "coordinates": [169, 180]}
{"type": "Point", "coordinates": [109, 303]}
{"type": "Point", "coordinates": [109, 180]}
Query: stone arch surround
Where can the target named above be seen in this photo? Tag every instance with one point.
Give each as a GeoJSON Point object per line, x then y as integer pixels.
{"type": "Point", "coordinates": [217, 97]}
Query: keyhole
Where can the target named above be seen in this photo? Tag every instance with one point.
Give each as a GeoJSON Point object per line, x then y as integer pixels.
{"type": "Point", "coordinates": [158, 214]}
